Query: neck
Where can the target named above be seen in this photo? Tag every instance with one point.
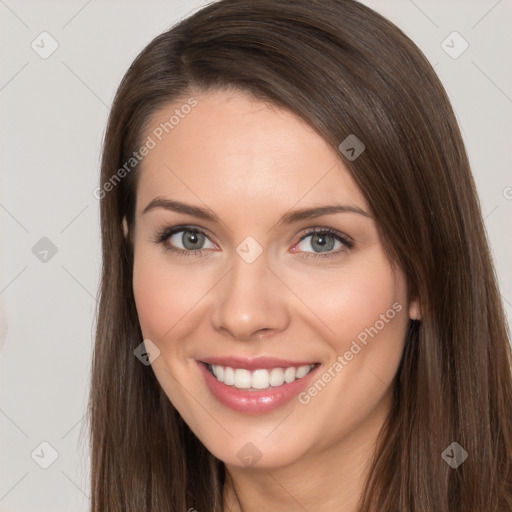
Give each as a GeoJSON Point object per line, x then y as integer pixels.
{"type": "Point", "coordinates": [327, 480]}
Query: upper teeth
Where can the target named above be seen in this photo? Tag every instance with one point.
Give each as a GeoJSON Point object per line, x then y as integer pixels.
{"type": "Point", "coordinates": [259, 379]}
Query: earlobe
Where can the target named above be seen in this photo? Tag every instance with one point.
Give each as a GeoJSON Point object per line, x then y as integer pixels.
{"type": "Point", "coordinates": [415, 309]}
{"type": "Point", "coordinates": [125, 227]}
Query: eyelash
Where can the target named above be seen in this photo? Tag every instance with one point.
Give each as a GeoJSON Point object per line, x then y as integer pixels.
{"type": "Point", "coordinates": [162, 236]}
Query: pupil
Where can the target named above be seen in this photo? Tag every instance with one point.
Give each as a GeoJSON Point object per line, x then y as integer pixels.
{"type": "Point", "coordinates": [190, 240]}
{"type": "Point", "coordinates": [324, 242]}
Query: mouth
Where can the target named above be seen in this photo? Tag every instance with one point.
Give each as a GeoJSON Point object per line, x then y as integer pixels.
{"type": "Point", "coordinates": [254, 386]}
{"type": "Point", "coordinates": [261, 378]}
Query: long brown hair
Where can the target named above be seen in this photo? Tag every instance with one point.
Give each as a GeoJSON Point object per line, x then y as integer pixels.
{"type": "Point", "coordinates": [345, 70]}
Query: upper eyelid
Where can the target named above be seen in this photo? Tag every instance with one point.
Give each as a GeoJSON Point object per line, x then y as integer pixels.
{"type": "Point", "coordinates": [172, 230]}
{"type": "Point", "coordinates": [332, 231]}
{"type": "Point", "coordinates": [305, 232]}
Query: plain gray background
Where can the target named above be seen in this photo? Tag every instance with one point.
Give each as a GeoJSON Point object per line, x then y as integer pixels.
{"type": "Point", "coordinates": [53, 116]}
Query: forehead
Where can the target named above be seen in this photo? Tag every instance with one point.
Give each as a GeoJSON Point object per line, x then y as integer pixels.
{"type": "Point", "coordinates": [230, 148]}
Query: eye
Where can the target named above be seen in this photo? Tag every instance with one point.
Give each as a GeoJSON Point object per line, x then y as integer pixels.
{"type": "Point", "coordinates": [190, 240]}
{"type": "Point", "coordinates": [184, 240]}
{"type": "Point", "coordinates": [193, 241]}
{"type": "Point", "coordinates": [323, 242]}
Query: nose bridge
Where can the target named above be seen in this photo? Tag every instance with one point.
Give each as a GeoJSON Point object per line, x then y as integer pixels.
{"type": "Point", "coordinates": [250, 299]}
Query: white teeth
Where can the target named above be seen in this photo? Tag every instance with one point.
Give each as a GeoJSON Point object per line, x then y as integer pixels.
{"type": "Point", "coordinates": [276, 377]}
{"type": "Point", "coordinates": [289, 375]}
{"type": "Point", "coordinates": [229, 376]}
{"type": "Point", "coordinates": [259, 379]}
{"type": "Point", "coordinates": [242, 378]}
{"type": "Point", "coordinates": [301, 371]}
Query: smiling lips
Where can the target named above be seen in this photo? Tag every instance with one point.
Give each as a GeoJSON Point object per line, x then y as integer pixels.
{"type": "Point", "coordinates": [255, 385]}
{"type": "Point", "coordinates": [261, 378]}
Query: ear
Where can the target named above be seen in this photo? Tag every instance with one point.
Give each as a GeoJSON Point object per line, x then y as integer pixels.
{"type": "Point", "coordinates": [415, 309]}
{"type": "Point", "coordinates": [125, 227]}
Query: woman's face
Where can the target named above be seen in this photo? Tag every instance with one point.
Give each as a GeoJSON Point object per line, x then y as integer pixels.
{"type": "Point", "coordinates": [257, 259]}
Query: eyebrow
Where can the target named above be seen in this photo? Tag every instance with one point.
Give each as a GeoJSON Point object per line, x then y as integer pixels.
{"type": "Point", "coordinates": [177, 206]}
{"type": "Point", "coordinates": [288, 218]}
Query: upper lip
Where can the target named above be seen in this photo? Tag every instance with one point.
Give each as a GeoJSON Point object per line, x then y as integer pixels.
{"type": "Point", "coordinates": [254, 363]}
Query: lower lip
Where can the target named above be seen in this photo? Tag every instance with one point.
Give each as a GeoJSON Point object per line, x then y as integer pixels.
{"type": "Point", "coordinates": [254, 402]}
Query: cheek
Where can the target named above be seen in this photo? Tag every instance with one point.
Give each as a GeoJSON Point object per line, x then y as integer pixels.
{"type": "Point", "coordinates": [362, 311]}
{"type": "Point", "coordinates": [162, 297]}
{"type": "Point", "coordinates": [357, 302]}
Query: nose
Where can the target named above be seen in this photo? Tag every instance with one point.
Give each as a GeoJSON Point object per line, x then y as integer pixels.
{"type": "Point", "coordinates": [251, 301]}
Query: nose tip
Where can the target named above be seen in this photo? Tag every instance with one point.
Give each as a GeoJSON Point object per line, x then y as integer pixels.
{"type": "Point", "coordinates": [246, 333]}
{"type": "Point", "coordinates": [248, 321]}
{"type": "Point", "coordinates": [250, 305]}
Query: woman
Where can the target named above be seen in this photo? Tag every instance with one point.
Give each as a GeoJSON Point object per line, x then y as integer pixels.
{"type": "Point", "coordinates": [290, 224]}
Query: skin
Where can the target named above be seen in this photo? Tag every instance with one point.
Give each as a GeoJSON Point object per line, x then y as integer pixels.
{"type": "Point", "coordinates": [249, 163]}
